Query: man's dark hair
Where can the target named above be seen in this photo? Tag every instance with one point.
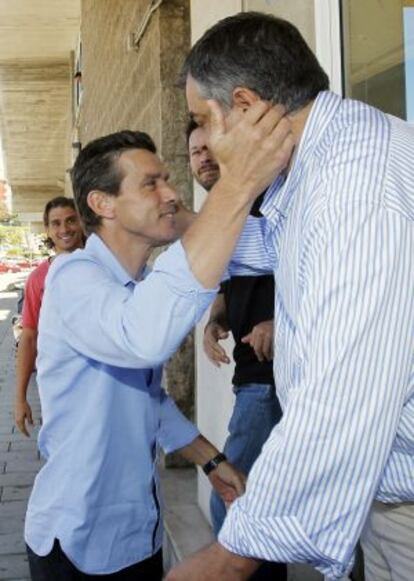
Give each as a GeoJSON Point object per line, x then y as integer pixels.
{"type": "Point", "coordinates": [58, 202]}
{"type": "Point", "coordinates": [258, 51]}
{"type": "Point", "coordinates": [96, 168]}
{"type": "Point", "coordinates": [191, 126]}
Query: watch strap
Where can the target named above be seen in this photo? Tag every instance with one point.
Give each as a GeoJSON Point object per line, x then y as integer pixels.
{"type": "Point", "coordinates": [213, 463]}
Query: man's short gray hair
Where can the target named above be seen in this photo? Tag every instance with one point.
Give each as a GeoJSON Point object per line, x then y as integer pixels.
{"type": "Point", "coordinates": [258, 51]}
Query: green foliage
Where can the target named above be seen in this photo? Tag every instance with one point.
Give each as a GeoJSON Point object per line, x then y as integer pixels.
{"type": "Point", "coordinates": [13, 237]}
{"type": "Point", "coordinates": [13, 252]}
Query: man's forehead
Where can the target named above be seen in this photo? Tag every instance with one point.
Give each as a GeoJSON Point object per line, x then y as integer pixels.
{"type": "Point", "coordinates": [60, 211]}
{"type": "Point", "coordinates": [140, 161]}
{"type": "Point", "coordinates": [198, 137]}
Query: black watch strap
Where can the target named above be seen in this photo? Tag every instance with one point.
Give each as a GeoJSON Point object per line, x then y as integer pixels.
{"type": "Point", "coordinates": [213, 463]}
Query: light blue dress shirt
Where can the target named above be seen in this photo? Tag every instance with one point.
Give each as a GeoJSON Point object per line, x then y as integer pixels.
{"type": "Point", "coordinates": [102, 341]}
{"type": "Point", "coordinates": [339, 235]}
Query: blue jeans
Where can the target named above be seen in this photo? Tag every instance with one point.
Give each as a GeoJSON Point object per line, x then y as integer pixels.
{"type": "Point", "coordinates": [256, 412]}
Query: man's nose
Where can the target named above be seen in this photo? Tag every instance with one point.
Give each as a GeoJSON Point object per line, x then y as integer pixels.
{"type": "Point", "coordinates": [170, 194]}
{"type": "Point", "coordinates": [206, 156]}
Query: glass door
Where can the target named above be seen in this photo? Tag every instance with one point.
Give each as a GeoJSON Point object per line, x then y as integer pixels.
{"type": "Point", "coordinates": [378, 53]}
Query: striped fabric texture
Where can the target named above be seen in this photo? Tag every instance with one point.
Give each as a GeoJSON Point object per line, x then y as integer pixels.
{"type": "Point", "coordinates": [338, 234]}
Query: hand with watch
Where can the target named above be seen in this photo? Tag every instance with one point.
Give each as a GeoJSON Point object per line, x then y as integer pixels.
{"type": "Point", "coordinates": [225, 478]}
{"type": "Point", "coordinates": [213, 463]}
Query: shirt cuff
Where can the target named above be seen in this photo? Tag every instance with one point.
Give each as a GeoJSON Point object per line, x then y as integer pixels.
{"type": "Point", "coordinates": [174, 267]}
{"type": "Point", "coordinates": [181, 439]}
{"type": "Point", "coordinates": [174, 262]}
{"type": "Point", "coordinates": [278, 539]}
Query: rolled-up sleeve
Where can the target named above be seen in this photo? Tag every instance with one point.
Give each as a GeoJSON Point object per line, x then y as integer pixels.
{"type": "Point", "coordinates": [175, 431]}
{"type": "Point", "coordinates": [310, 490]}
{"type": "Point", "coordinates": [107, 322]}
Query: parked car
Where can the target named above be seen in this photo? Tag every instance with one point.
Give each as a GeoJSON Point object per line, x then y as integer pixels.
{"type": "Point", "coordinates": [7, 265]}
{"type": "Point", "coordinates": [24, 263]}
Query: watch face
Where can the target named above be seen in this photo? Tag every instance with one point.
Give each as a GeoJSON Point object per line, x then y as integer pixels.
{"type": "Point", "coordinates": [213, 463]}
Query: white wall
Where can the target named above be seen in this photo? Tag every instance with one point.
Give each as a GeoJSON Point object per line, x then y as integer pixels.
{"type": "Point", "coordinates": [299, 12]}
{"type": "Point", "coordinates": [328, 41]}
{"type": "Point", "coordinates": [214, 404]}
{"type": "Point", "coordinates": [206, 13]}
{"type": "Point", "coordinates": [214, 396]}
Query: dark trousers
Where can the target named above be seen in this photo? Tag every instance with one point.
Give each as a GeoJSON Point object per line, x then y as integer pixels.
{"type": "Point", "coordinates": [270, 571]}
{"type": "Point", "coordinates": [56, 567]}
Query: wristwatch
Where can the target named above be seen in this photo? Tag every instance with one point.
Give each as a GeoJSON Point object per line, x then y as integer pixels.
{"type": "Point", "coordinates": [213, 463]}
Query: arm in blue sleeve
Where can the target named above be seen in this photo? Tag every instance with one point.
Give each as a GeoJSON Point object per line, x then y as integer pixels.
{"type": "Point", "coordinates": [105, 321]}
{"type": "Point", "coordinates": [175, 431]}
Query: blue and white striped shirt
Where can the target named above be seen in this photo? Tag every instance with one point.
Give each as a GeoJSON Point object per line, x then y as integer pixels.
{"type": "Point", "coordinates": [339, 236]}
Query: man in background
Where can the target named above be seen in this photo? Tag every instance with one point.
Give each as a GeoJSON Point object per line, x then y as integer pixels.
{"type": "Point", "coordinates": [64, 234]}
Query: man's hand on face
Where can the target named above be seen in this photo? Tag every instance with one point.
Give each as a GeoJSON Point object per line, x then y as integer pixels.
{"type": "Point", "coordinates": [214, 562]}
{"type": "Point", "coordinates": [256, 149]}
{"type": "Point", "coordinates": [213, 333]}
{"type": "Point", "coordinates": [260, 339]}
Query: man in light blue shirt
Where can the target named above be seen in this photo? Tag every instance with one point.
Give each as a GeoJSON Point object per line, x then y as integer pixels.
{"type": "Point", "coordinates": [338, 233]}
{"type": "Point", "coordinates": [107, 324]}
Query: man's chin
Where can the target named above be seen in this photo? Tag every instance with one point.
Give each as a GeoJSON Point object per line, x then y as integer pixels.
{"type": "Point", "coordinates": [208, 184]}
{"type": "Point", "coordinates": [69, 247]}
{"type": "Point", "coordinates": [165, 241]}
{"type": "Point", "coordinates": [208, 178]}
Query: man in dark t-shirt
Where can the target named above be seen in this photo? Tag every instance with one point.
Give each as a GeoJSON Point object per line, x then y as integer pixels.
{"type": "Point", "coordinates": [244, 307]}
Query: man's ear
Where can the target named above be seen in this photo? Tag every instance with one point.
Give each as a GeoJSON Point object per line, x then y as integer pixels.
{"type": "Point", "coordinates": [101, 203]}
{"type": "Point", "coordinates": [243, 97]}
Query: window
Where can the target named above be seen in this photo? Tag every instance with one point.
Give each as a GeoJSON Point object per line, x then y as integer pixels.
{"type": "Point", "coordinates": [378, 53]}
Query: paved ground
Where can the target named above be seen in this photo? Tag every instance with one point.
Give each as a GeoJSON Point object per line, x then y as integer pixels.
{"type": "Point", "coordinates": [19, 459]}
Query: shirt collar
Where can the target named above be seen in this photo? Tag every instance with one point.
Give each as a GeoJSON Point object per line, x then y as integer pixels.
{"type": "Point", "coordinates": [97, 248]}
{"type": "Point", "coordinates": [278, 197]}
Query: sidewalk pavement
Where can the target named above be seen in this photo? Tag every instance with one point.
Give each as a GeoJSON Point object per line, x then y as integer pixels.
{"type": "Point", "coordinates": [19, 458]}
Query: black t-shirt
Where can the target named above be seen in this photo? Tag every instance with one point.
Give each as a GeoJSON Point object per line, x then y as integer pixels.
{"type": "Point", "coordinates": [249, 300]}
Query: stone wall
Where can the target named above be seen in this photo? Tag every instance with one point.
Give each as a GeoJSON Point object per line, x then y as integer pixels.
{"type": "Point", "coordinates": [135, 89]}
{"type": "Point", "coordinates": [121, 87]}
{"type": "Point", "coordinates": [126, 88]}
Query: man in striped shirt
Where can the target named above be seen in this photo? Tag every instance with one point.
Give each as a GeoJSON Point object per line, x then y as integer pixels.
{"type": "Point", "coordinates": [338, 234]}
